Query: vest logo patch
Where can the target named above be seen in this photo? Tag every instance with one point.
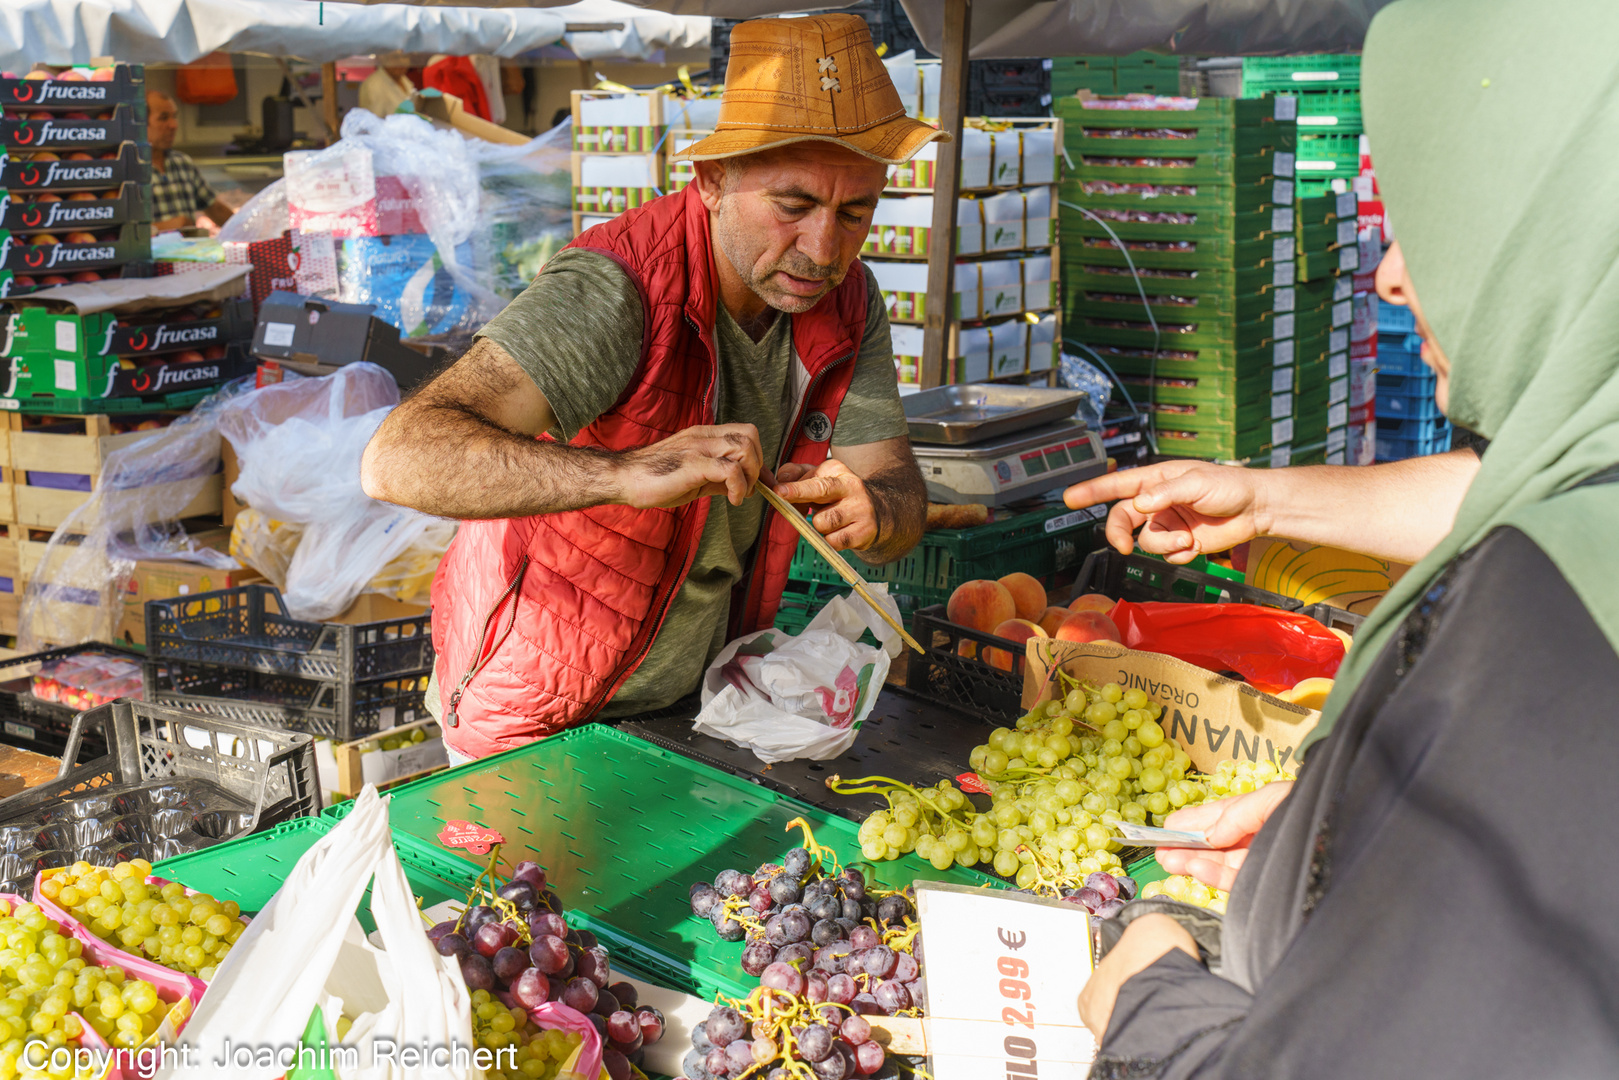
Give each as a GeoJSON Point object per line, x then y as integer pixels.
{"type": "Point", "coordinates": [817, 427]}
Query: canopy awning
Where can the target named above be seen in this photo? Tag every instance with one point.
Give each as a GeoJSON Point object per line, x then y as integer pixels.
{"type": "Point", "coordinates": [150, 31]}
{"type": "Point", "coordinates": [1085, 27]}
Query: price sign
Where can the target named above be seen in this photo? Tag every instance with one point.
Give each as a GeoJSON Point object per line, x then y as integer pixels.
{"type": "Point", "coordinates": [1003, 997]}
{"type": "Point", "coordinates": [473, 838]}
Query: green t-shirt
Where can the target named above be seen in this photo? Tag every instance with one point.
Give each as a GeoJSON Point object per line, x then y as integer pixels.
{"type": "Point", "coordinates": [577, 332]}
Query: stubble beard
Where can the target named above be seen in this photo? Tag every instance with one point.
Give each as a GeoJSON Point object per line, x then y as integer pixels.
{"type": "Point", "coordinates": [732, 239]}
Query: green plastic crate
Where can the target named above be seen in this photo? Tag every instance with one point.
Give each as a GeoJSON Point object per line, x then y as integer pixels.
{"type": "Point", "coordinates": [1205, 167]}
{"type": "Point", "coordinates": [1330, 112]}
{"type": "Point", "coordinates": [1040, 542]}
{"type": "Point", "coordinates": [623, 828]}
{"type": "Point", "coordinates": [251, 869]}
{"type": "Point", "coordinates": [1097, 135]}
{"type": "Point", "coordinates": [1322, 71]}
{"type": "Point", "coordinates": [1212, 227]}
{"type": "Point", "coordinates": [1071, 74]}
{"type": "Point", "coordinates": [1328, 157]}
{"type": "Point", "coordinates": [1229, 113]}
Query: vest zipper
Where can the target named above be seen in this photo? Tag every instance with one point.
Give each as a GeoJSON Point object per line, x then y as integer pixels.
{"type": "Point", "coordinates": [479, 657]}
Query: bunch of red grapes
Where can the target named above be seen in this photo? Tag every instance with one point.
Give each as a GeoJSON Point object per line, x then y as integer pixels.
{"type": "Point", "coordinates": [816, 943]}
{"type": "Point", "coordinates": [524, 950]}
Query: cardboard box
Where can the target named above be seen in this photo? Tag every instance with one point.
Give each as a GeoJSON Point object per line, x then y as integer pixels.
{"type": "Point", "coordinates": [614, 183]}
{"type": "Point", "coordinates": [363, 762]}
{"type": "Point", "coordinates": [228, 506]}
{"type": "Point", "coordinates": [131, 162]}
{"type": "Point", "coordinates": [1212, 717]}
{"type": "Point", "coordinates": [617, 121]}
{"type": "Point", "coordinates": [305, 330]}
{"type": "Point", "coordinates": [156, 580]}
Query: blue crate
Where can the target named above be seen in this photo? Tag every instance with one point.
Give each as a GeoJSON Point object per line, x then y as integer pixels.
{"type": "Point", "coordinates": [1407, 396]}
{"type": "Point", "coordinates": [1400, 354]}
{"type": "Point", "coordinates": [1395, 319]}
{"type": "Point", "coordinates": [1406, 437]}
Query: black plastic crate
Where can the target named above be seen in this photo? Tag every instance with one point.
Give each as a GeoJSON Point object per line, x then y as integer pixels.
{"type": "Point", "coordinates": [1008, 101]}
{"type": "Point", "coordinates": [247, 629]}
{"type": "Point", "coordinates": [31, 723]}
{"type": "Point", "coordinates": [946, 675]}
{"type": "Point", "coordinates": [1140, 578]}
{"type": "Point", "coordinates": [336, 710]}
{"type": "Point", "coordinates": [1124, 439]}
{"type": "Point", "coordinates": [1027, 73]}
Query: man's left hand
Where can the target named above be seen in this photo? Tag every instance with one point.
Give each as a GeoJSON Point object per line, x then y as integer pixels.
{"type": "Point", "coordinates": [844, 511]}
{"type": "Point", "coordinates": [1139, 947]}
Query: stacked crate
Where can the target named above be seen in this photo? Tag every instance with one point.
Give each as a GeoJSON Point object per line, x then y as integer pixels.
{"type": "Point", "coordinates": [77, 171]}
{"type": "Point", "coordinates": [622, 142]}
{"type": "Point", "coordinates": [1328, 90]}
{"type": "Point", "coordinates": [1325, 235]}
{"type": "Point", "coordinates": [1409, 423]}
{"type": "Point", "coordinates": [1200, 193]}
{"type": "Point", "coordinates": [1137, 73]}
{"type": "Point", "coordinates": [1004, 318]}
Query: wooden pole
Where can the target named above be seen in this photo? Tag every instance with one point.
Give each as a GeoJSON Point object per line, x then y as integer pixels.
{"type": "Point", "coordinates": [328, 98]}
{"type": "Point", "coordinates": [946, 191]}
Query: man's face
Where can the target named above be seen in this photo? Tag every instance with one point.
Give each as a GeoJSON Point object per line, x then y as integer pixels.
{"type": "Point", "coordinates": [162, 121]}
{"type": "Point", "coordinates": [791, 220]}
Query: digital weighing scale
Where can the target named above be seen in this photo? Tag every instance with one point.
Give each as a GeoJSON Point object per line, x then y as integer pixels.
{"type": "Point", "coordinates": [996, 444]}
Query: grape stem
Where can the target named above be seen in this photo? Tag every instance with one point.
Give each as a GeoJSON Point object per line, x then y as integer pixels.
{"type": "Point", "coordinates": [823, 855]}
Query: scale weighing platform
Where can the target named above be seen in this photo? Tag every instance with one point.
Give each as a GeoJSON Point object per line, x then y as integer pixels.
{"type": "Point", "coordinates": [995, 444]}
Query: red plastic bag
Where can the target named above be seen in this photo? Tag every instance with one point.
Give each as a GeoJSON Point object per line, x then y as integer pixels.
{"type": "Point", "coordinates": [1272, 650]}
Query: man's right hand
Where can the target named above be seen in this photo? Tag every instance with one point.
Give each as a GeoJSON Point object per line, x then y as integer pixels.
{"type": "Point", "coordinates": [1229, 825]}
{"type": "Point", "coordinates": [1183, 508]}
{"type": "Point", "coordinates": [723, 460]}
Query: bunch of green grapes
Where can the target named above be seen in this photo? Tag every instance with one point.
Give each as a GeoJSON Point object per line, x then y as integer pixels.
{"type": "Point", "coordinates": [1188, 890]}
{"type": "Point", "coordinates": [44, 980]}
{"type": "Point", "coordinates": [192, 933]}
{"type": "Point", "coordinates": [541, 1052]}
{"type": "Point", "coordinates": [1240, 777]}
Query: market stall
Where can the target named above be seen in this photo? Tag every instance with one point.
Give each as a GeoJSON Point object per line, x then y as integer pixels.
{"type": "Point", "coordinates": [225, 649]}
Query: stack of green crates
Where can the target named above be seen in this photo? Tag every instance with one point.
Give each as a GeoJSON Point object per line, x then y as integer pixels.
{"type": "Point", "coordinates": [1327, 87]}
{"type": "Point", "coordinates": [1137, 73]}
{"type": "Point", "coordinates": [1203, 201]}
{"type": "Point", "coordinates": [1324, 230]}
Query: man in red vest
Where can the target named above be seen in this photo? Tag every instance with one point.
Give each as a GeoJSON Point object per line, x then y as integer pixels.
{"type": "Point", "coordinates": [602, 438]}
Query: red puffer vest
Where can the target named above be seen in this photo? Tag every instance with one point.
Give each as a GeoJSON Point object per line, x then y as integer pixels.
{"type": "Point", "coordinates": [538, 621]}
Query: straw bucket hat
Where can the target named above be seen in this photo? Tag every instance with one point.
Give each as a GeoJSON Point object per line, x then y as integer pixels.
{"type": "Point", "coordinates": [810, 79]}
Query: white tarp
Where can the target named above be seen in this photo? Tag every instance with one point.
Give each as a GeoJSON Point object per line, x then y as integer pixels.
{"type": "Point", "coordinates": [642, 32]}
{"type": "Point", "coordinates": [1085, 27]}
{"type": "Point", "coordinates": [150, 31]}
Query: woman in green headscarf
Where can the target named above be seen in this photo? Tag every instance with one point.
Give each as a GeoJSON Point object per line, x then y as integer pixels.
{"type": "Point", "coordinates": [1432, 898]}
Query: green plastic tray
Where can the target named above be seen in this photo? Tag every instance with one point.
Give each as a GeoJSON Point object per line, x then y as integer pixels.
{"type": "Point", "coordinates": [91, 406]}
{"type": "Point", "coordinates": [251, 869]}
{"type": "Point", "coordinates": [623, 828]}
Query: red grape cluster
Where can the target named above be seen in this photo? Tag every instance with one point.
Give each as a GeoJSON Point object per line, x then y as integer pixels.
{"type": "Point", "coordinates": [522, 949]}
{"type": "Point", "coordinates": [1102, 894]}
{"type": "Point", "coordinates": [835, 1044]}
{"type": "Point", "coordinates": [820, 944]}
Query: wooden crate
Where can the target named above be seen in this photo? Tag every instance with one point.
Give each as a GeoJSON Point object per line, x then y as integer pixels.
{"type": "Point", "coordinates": [350, 770]}
{"type": "Point", "coordinates": [77, 445]}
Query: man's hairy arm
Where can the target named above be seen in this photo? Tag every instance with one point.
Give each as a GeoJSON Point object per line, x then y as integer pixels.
{"type": "Point", "coordinates": [869, 498]}
{"type": "Point", "coordinates": [900, 500]}
{"type": "Point", "coordinates": [464, 446]}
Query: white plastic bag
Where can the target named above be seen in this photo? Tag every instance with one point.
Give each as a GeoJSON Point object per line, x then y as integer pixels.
{"type": "Point", "coordinates": [299, 445]}
{"type": "Point", "coordinates": [786, 697]}
{"type": "Point", "coordinates": [306, 950]}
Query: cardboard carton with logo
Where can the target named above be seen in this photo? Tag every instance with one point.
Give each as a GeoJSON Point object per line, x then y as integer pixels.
{"type": "Point", "coordinates": [35, 212]}
{"type": "Point", "coordinates": [24, 173]}
{"type": "Point", "coordinates": [100, 90]}
{"type": "Point", "coordinates": [32, 253]}
{"type": "Point", "coordinates": [1212, 717]}
{"type": "Point", "coordinates": [127, 122]}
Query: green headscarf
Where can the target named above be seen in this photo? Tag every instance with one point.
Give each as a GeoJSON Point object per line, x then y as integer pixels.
{"type": "Point", "coordinates": [1495, 131]}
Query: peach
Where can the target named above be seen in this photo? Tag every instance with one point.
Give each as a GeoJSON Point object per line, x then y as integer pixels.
{"type": "Point", "coordinates": [1091, 601]}
{"type": "Point", "coordinates": [1028, 594]}
{"type": "Point", "coordinates": [102, 74]}
{"type": "Point", "coordinates": [981, 605]}
{"type": "Point", "coordinates": [86, 276]}
{"type": "Point", "coordinates": [1088, 626]}
{"type": "Point", "coordinates": [37, 74]}
{"type": "Point", "coordinates": [70, 75]}
{"type": "Point", "coordinates": [80, 155]}
{"type": "Point", "coordinates": [189, 356]}
{"type": "Point", "coordinates": [1052, 619]}
{"type": "Point", "coordinates": [81, 238]}
{"type": "Point", "coordinates": [1018, 630]}
{"type": "Point", "coordinates": [53, 279]}
{"type": "Point", "coordinates": [79, 196]}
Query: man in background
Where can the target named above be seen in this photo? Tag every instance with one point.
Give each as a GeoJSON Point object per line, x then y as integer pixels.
{"type": "Point", "coordinates": [178, 189]}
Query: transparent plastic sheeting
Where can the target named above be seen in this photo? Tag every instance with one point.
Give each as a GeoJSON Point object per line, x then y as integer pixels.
{"type": "Point", "coordinates": [299, 444]}
{"type": "Point", "coordinates": [491, 216]}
